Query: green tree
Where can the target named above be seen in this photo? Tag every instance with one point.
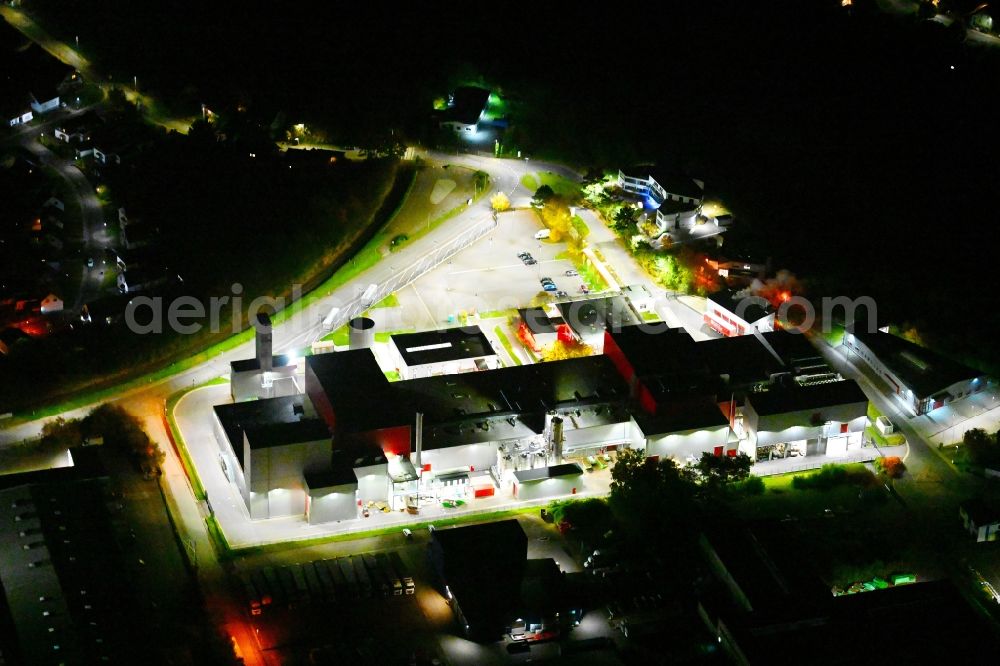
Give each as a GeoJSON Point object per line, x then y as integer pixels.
{"type": "Point", "coordinates": [723, 470]}
{"type": "Point", "coordinates": [62, 434]}
{"type": "Point", "coordinates": [654, 502]}
{"type": "Point", "coordinates": [480, 179]}
{"type": "Point", "coordinates": [541, 196]}
{"type": "Point", "coordinates": [500, 202]}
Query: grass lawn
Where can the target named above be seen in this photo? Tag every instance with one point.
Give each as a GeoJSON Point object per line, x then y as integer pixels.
{"type": "Point", "coordinates": [340, 337]}
{"type": "Point", "coordinates": [497, 314]}
{"type": "Point", "coordinates": [835, 335]}
{"type": "Point", "coordinates": [384, 335]}
{"type": "Point", "coordinates": [505, 341]}
{"type": "Point", "coordinates": [592, 278]}
{"type": "Point", "coordinates": [580, 226]}
{"type": "Point", "coordinates": [561, 185]}
{"type": "Point", "coordinates": [390, 301]}
{"type": "Point", "coordinates": [780, 498]}
{"type": "Point", "coordinates": [650, 316]}
{"type": "Point", "coordinates": [392, 376]}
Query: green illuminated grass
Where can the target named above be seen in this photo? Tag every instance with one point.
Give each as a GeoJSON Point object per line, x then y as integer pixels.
{"type": "Point", "coordinates": [384, 335]}
{"type": "Point", "coordinates": [580, 226]}
{"type": "Point", "coordinates": [175, 433]}
{"type": "Point", "coordinates": [390, 301]}
{"type": "Point", "coordinates": [529, 182]}
{"type": "Point", "coordinates": [505, 341]}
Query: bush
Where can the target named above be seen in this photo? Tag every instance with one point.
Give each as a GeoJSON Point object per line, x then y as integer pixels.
{"type": "Point", "coordinates": [891, 466]}
{"type": "Point", "coordinates": [830, 476]}
{"type": "Point", "coordinates": [750, 486]}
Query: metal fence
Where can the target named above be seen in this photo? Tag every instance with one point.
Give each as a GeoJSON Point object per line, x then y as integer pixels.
{"type": "Point", "coordinates": [411, 272]}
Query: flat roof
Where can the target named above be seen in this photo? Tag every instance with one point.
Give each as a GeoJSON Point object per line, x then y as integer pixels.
{"type": "Point", "coordinates": [251, 364]}
{"type": "Point", "coordinates": [551, 472]}
{"type": "Point", "coordinates": [337, 475]}
{"type": "Point", "coordinates": [671, 181]}
{"type": "Point", "coordinates": [271, 422]}
{"type": "Point", "coordinates": [924, 371]}
{"type": "Point", "coordinates": [450, 344]}
{"type": "Point", "coordinates": [753, 311]}
{"type": "Point", "coordinates": [742, 357]}
{"type": "Point", "coordinates": [468, 103]}
{"type": "Point", "coordinates": [695, 415]}
{"type": "Point", "coordinates": [657, 349]}
{"type": "Point", "coordinates": [813, 396]}
{"type": "Point", "coordinates": [357, 389]}
{"type": "Point", "coordinates": [537, 320]}
{"type": "Point", "coordinates": [588, 315]}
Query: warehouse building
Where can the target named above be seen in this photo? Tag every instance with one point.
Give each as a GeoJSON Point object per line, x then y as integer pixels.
{"type": "Point", "coordinates": [921, 378]}
{"type": "Point", "coordinates": [797, 421]}
{"type": "Point", "coordinates": [730, 313]}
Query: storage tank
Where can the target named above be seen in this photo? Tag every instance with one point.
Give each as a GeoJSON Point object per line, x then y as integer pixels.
{"type": "Point", "coordinates": [362, 332]}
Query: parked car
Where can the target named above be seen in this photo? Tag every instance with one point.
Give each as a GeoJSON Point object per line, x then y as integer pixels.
{"type": "Point", "coordinates": [543, 234]}
{"type": "Point", "coordinates": [549, 286]}
{"type": "Point", "coordinates": [561, 294]}
{"type": "Point", "coordinates": [571, 273]}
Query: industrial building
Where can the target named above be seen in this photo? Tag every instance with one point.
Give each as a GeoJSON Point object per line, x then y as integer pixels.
{"type": "Point", "coordinates": [922, 379]}
{"type": "Point", "coordinates": [466, 108]}
{"type": "Point", "coordinates": [730, 313]}
{"type": "Point", "coordinates": [354, 440]}
{"type": "Point", "coordinates": [63, 596]}
{"type": "Point", "coordinates": [526, 599]}
{"type": "Point", "coordinates": [265, 375]}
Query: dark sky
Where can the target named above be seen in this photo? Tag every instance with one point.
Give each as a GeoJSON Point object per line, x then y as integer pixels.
{"type": "Point", "coordinates": [848, 145]}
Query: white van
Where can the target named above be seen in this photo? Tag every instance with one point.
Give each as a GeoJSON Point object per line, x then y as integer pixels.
{"type": "Point", "coordinates": [543, 234]}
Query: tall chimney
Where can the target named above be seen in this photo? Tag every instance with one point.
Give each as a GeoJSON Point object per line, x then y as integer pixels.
{"type": "Point", "coordinates": [418, 441]}
{"type": "Point", "coordinates": [557, 438]}
{"type": "Point", "coordinates": [264, 352]}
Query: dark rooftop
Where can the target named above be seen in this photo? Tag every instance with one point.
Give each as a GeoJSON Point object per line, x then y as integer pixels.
{"type": "Point", "coordinates": [671, 181]}
{"type": "Point", "coordinates": [337, 475]}
{"type": "Point", "coordinates": [270, 422]}
{"type": "Point", "coordinates": [357, 389]}
{"type": "Point", "coordinates": [801, 398]}
{"type": "Point", "coordinates": [980, 512]}
{"type": "Point", "coordinates": [538, 321]}
{"type": "Point", "coordinates": [452, 344]}
{"type": "Point", "coordinates": [694, 415]}
{"type": "Point", "coordinates": [249, 364]}
{"type": "Point", "coordinates": [925, 372]}
{"type": "Point", "coordinates": [657, 349]}
{"type": "Point", "coordinates": [742, 357]}
{"type": "Point", "coordinates": [551, 472]}
{"type": "Point", "coordinates": [754, 308]}
{"type": "Point", "coordinates": [593, 314]}
{"type": "Point", "coordinates": [468, 103]}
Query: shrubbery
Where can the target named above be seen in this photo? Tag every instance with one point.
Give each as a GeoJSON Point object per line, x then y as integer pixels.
{"type": "Point", "coordinates": [120, 430]}
{"type": "Point", "coordinates": [891, 466]}
{"type": "Point", "coordinates": [830, 476]}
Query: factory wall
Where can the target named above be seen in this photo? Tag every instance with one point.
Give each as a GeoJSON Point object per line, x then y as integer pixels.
{"type": "Point", "coordinates": [373, 482]}
{"type": "Point", "coordinates": [680, 445]}
{"type": "Point", "coordinates": [276, 485]}
{"type": "Point", "coordinates": [480, 457]}
{"type": "Point", "coordinates": [545, 488]}
{"type": "Point", "coordinates": [326, 505]}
